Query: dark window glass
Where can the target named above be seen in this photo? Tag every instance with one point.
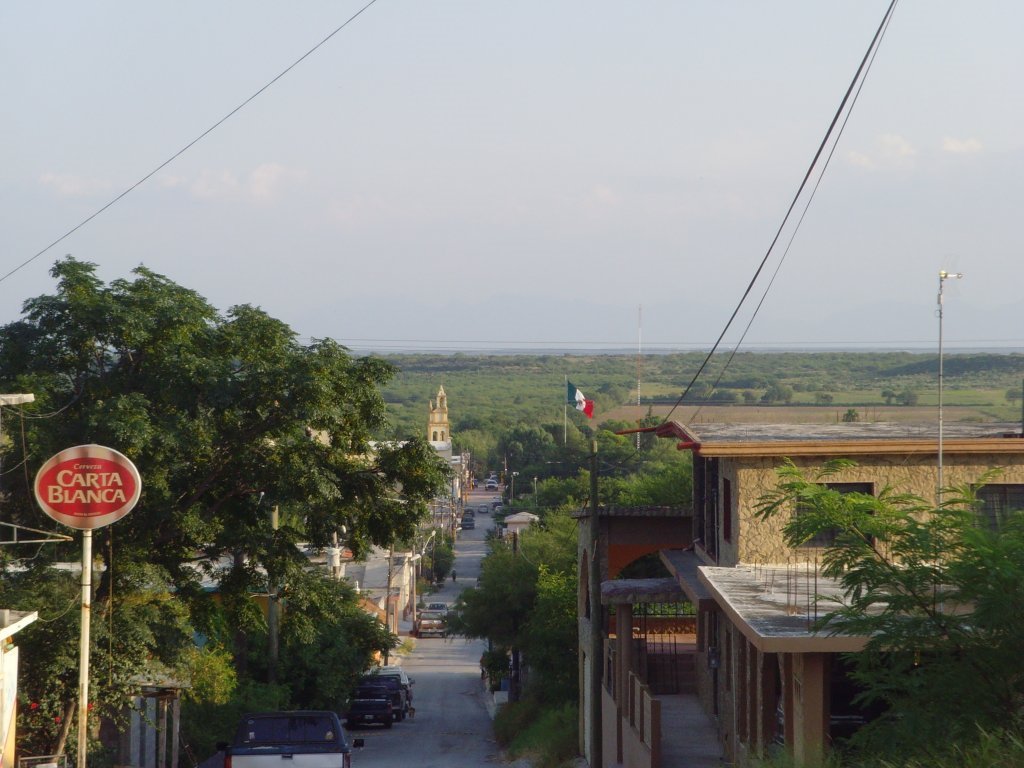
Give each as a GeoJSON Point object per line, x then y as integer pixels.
{"type": "Point", "coordinates": [997, 501]}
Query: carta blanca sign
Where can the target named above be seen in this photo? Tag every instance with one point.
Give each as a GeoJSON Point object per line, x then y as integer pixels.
{"type": "Point", "coordinates": [88, 486]}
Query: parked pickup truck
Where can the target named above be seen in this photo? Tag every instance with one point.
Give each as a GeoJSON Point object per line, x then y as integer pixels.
{"type": "Point", "coordinates": [370, 704]}
{"type": "Point", "coordinates": [306, 739]}
{"type": "Point", "coordinates": [396, 692]}
{"type": "Point", "coordinates": [430, 624]}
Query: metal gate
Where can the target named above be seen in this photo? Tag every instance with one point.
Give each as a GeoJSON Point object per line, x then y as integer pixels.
{"type": "Point", "coordinates": [664, 641]}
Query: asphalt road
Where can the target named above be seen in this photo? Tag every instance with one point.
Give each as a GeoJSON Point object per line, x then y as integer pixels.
{"type": "Point", "coordinates": [452, 727]}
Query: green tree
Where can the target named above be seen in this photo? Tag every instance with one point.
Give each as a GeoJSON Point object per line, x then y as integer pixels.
{"type": "Point", "coordinates": [1013, 394]}
{"type": "Point", "coordinates": [526, 449]}
{"type": "Point", "coordinates": [777, 393]}
{"type": "Point", "coordinates": [937, 594]}
{"type": "Point", "coordinates": [907, 396]}
{"type": "Point", "coordinates": [889, 394]}
{"type": "Point", "coordinates": [551, 642]}
{"type": "Point", "coordinates": [227, 417]}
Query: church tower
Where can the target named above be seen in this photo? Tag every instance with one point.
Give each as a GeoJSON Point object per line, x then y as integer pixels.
{"type": "Point", "coordinates": [437, 428]}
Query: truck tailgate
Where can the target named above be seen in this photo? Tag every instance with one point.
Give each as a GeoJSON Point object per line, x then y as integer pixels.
{"type": "Point", "coordinates": [278, 758]}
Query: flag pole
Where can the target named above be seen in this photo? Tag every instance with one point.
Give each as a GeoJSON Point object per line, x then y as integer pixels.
{"type": "Point", "coordinates": [565, 413]}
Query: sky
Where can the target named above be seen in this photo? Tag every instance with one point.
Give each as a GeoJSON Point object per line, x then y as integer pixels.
{"type": "Point", "coordinates": [466, 175]}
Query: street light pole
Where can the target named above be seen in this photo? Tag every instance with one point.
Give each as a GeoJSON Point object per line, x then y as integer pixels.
{"type": "Point", "coordinates": [512, 495]}
{"type": "Point", "coordinates": [943, 276]}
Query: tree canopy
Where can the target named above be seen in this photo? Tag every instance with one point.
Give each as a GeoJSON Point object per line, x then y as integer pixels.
{"type": "Point", "coordinates": [227, 416]}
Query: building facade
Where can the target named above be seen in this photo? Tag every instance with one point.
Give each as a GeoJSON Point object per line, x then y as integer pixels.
{"type": "Point", "coordinates": [766, 678]}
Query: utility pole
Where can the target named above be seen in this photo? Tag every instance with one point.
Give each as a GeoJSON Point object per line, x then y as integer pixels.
{"type": "Point", "coordinates": [514, 678]}
{"type": "Point", "coordinates": [596, 625]}
{"type": "Point", "coordinates": [387, 597]}
{"type": "Point", "coordinates": [273, 621]}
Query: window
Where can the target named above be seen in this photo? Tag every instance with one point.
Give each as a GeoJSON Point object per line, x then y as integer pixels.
{"type": "Point", "coordinates": [997, 501]}
{"type": "Point", "coordinates": [828, 537]}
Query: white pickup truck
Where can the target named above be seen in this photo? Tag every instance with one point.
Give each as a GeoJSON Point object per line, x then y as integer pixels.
{"type": "Point", "coordinates": [299, 739]}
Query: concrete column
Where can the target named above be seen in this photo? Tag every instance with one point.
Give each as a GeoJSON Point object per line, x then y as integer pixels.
{"type": "Point", "coordinates": [809, 705]}
{"type": "Point", "coordinates": [624, 633]}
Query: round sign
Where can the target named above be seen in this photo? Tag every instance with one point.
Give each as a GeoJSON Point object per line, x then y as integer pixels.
{"type": "Point", "coordinates": [88, 486]}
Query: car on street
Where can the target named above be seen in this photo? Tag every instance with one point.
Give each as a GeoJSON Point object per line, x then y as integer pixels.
{"type": "Point", "coordinates": [443, 607]}
{"type": "Point", "coordinates": [370, 704]}
{"type": "Point", "coordinates": [397, 693]}
{"type": "Point", "coordinates": [468, 523]}
{"type": "Point", "coordinates": [430, 624]}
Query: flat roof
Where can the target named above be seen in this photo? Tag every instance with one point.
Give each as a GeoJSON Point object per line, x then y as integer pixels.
{"type": "Point", "coordinates": [648, 511]}
{"type": "Point", "coordinates": [844, 438]}
{"type": "Point", "coordinates": [683, 564]}
{"type": "Point", "coordinates": [637, 591]}
{"type": "Point", "coordinates": [776, 606]}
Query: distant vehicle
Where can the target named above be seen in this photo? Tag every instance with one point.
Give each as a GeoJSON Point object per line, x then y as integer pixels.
{"type": "Point", "coordinates": [468, 513]}
{"type": "Point", "coordinates": [430, 624]}
{"type": "Point", "coordinates": [314, 739]}
{"type": "Point", "coordinates": [468, 523]}
{"type": "Point", "coordinates": [491, 484]}
{"type": "Point", "coordinates": [437, 607]}
{"type": "Point", "coordinates": [483, 509]}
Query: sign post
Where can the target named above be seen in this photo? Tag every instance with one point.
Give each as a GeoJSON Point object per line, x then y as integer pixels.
{"type": "Point", "coordinates": [87, 487]}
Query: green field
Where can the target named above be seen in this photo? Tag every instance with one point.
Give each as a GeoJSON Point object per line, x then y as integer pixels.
{"type": "Point", "coordinates": [486, 392]}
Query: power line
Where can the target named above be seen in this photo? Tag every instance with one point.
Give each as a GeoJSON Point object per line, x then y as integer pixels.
{"type": "Point", "coordinates": [191, 144]}
{"type": "Point", "coordinates": [803, 214]}
{"type": "Point", "coordinates": [851, 89]}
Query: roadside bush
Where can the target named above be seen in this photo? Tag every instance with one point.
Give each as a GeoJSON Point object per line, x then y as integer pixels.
{"type": "Point", "coordinates": [512, 720]}
{"type": "Point", "coordinates": [549, 737]}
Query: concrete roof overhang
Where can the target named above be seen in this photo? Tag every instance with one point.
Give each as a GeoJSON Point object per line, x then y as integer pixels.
{"type": "Point", "coordinates": [684, 566]}
{"type": "Point", "coordinates": [638, 591]}
{"type": "Point", "coordinates": [645, 511]}
{"type": "Point", "coordinates": [859, 438]}
{"type": "Point", "coordinates": [776, 607]}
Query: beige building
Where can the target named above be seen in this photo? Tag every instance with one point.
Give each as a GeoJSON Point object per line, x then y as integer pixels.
{"type": "Point", "coordinates": [763, 676]}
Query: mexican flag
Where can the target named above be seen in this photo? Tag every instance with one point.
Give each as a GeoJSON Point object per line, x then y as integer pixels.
{"type": "Point", "coordinates": [576, 399]}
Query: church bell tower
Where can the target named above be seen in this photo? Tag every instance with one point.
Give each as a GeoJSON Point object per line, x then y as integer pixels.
{"type": "Point", "coordinates": [437, 428]}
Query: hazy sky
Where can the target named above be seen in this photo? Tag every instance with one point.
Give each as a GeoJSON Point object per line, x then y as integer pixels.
{"type": "Point", "coordinates": [469, 174]}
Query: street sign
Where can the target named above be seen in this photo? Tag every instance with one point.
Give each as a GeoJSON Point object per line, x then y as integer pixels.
{"type": "Point", "coordinates": [88, 487]}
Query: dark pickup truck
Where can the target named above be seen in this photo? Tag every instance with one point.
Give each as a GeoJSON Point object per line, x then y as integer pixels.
{"type": "Point", "coordinates": [370, 704]}
{"type": "Point", "coordinates": [305, 738]}
{"type": "Point", "coordinates": [396, 691]}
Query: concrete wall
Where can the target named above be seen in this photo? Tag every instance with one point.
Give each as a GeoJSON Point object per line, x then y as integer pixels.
{"type": "Point", "coordinates": [630, 538]}
{"type": "Point", "coordinates": [611, 732]}
{"type": "Point", "coordinates": [757, 541]}
{"type": "Point", "coordinates": [641, 727]}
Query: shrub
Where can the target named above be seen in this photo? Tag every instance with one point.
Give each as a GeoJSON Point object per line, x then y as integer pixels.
{"type": "Point", "coordinates": [549, 736]}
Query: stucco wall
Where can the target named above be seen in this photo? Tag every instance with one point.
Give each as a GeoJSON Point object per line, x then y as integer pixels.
{"type": "Point", "coordinates": [758, 541]}
{"type": "Point", "coordinates": [610, 731]}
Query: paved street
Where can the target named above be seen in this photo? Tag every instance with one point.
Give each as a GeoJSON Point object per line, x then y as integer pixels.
{"type": "Point", "coordinates": [452, 727]}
